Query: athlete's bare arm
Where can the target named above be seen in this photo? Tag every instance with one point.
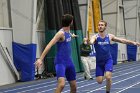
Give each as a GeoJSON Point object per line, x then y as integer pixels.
{"type": "Point", "coordinates": [92, 39]}
{"type": "Point", "coordinates": [55, 39]}
{"type": "Point", "coordinates": [121, 40]}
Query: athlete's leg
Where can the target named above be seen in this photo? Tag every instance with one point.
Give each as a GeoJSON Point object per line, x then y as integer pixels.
{"type": "Point", "coordinates": [99, 73]}
{"type": "Point", "coordinates": [60, 73]}
{"type": "Point", "coordinates": [108, 74]}
{"type": "Point", "coordinates": [71, 77]}
{"type": "Point", "coordinates": [60, 85]}
{"type": "Point", "coordinates": [73, 86]}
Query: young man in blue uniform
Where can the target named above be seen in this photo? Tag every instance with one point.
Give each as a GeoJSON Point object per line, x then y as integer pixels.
{"type": "Point", "coordinates": [104, 62]}
{"type": "Point", "coordinates": [63, 61]}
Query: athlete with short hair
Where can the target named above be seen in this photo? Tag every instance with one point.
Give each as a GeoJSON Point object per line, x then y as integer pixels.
{"type": "Point", "coordinates": [104, 62]}
{"type": "Point", "coordinates": [63, 61]}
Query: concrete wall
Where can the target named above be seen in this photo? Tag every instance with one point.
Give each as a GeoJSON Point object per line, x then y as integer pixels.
{"type": "Point", "coordinates": [4, 19]}
{"type": "Point", "coordinates": [7, 76]}
{"type": "Point", "coordinates": [6, 37]}
{"type": "Point", "coordinates": [130, 11]}
{"type": "Point", "coordinates": [132, 21]}
{"type": "Point", "coordinates": [83, 12]}
{"type": "Point", "coordinates": [22, 20]}
{"type": "Point", "coordinates": [24, 24]}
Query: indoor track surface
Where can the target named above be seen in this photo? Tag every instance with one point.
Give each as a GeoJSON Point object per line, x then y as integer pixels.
{"type": "Point", "coordinates": [126, 79]}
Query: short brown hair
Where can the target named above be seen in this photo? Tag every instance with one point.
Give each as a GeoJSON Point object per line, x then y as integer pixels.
{"type": "Point", "coordinates": [103, 22]}
{"type": "Point", "coordinates": [66, 20]}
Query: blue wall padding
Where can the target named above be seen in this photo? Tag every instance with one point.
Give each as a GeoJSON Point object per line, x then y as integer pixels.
{"type": "Point", "coordinates": [114, 52]}
{"type": "Point", "coordinates": [24, 57]}
{"type": "Point", "coordinates": [131, 52]}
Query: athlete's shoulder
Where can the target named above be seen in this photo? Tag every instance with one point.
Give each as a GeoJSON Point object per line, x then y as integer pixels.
{"type": "Point", "coordinates": [61, 32]}
{"type": "Point", "coordinates": [111, 36]}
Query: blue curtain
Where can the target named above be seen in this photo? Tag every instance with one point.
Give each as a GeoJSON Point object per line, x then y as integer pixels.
{"type": "Point", "coordinates": [114, 52]}
{"type": "Point", "coordinates": [24, 57]}
{"type": "Point", "coordinates": [131, 52]}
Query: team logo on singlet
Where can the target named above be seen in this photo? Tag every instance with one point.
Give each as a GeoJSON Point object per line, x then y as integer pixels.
{"type": "Point", "coordinates": [68, 39]}
{"type": "Point", "coordinates": [103, 43]}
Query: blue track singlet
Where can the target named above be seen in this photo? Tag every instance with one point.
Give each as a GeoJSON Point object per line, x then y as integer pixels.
{"type": "Point", "coordinates": [63, 61]}
{"type": "Point", "coordinates": [102, 48]}
{"type": "Point", "coordinates": [104, 60]}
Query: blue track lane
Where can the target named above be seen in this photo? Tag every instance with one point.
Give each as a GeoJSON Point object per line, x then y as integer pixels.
{"type": "Point", "coordinates": [126, 79]}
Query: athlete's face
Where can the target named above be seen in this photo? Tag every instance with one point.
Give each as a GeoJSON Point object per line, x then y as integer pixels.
{"type": "Point", "coordinates": [101, 27]}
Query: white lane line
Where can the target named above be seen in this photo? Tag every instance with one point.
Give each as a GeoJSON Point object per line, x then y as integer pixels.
{"type": "Point", "coordinates": [88, 84]}
{"type": "Point", "coordinates": [114, 83]}
{"type": "Point", "coordinates": [27, 87]}
{"type": "Point", "coordinates": [128, 87]}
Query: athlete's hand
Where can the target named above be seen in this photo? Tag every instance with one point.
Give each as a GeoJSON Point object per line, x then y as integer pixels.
{"type": "Point", "coordinates": [38, 63]}
{"type": "Point", "coordinates": [87, 40]}
{"type": "Point", "coordinates": [134, 43]}
{"type": "Point", "coordinates": [73, 35]}
{"type": "Point", "coordinates": [138, 44]}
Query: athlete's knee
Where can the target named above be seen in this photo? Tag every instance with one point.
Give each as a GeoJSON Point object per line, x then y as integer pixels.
{"type": "Point", "coordinates": [61, 85]}
{"type": "Point", "coordinates": [108, 78]}
{"type": "Point", "coordinates": [99, 80]}
{"type": "Point", "coordinates": [61, 82]}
